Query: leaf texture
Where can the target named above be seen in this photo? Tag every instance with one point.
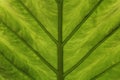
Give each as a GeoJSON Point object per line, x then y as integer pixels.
{"type": "Point", "coordinates": [59, 40]}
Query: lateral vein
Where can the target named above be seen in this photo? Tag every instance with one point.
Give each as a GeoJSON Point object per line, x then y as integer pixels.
{"type": "Point", "coordinates": [101, 73]}
{"type": "Point", "coordinates": [81, 23]}
{"type": "Point", "coordinates": [19, 69]}
{"type": "Point", "coordinates": [39, 23]}
{"type": "Point", "coordinates": [31, 48]}
{"type": "Point", "coordinates": [92, 50]}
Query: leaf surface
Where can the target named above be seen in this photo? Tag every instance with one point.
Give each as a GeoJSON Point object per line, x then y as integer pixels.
{"type": "Point", "coordinates": [59, 39]}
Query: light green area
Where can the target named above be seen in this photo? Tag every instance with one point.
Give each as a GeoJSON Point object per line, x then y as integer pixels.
{"type": "Point", "coordinates": [29, 34]}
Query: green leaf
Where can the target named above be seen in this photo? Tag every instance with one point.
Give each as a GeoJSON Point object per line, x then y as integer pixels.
{"type": "Point", "coordinates": [59, 40]}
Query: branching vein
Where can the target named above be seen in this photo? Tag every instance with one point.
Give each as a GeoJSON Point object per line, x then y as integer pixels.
{"type": "Point", "coordinates": [81, 23]}
{"type": "Point", "coordinates": [92, 50]}
{"type": "Point", "coordinates": [106, 70]}
{"type": "Point", "coordinates": [40, 24]}
{"type": "Point", "coordinates": [36, 52]}
{"type": "Point", "coordinates": [19, 69]}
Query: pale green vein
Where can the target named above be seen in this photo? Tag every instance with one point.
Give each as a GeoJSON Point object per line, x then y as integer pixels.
{"type": "Point", "coordinates": [106, 70]}
{"type": "Point", "coordinates": [81, 23]}
{"type": "Point", "coordinates": [36, 52]}
{"type": "Point", "coordinates": [59, 46]}
{"type": "Point", "coordinates": [40, 24]}
{"type": "Point", "coordinates": [16, 66]}
{"type": "Point", "coordinates": [92, 50]}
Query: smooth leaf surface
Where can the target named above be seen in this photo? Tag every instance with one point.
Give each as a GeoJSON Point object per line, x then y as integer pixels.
{"type": "Point", "coordinates": [59, 40]}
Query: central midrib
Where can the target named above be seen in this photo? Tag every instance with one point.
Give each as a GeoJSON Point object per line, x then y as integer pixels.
{"type": "Point", "coordinates": [59, 45]}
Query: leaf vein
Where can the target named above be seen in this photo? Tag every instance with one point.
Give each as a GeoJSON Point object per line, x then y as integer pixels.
{"type": "Point", "coordinates": [109, 68]}
{"type": "Point", "coordinates": [81, 23]}
{"type": "Point", "coordinates": [39, 23]}
{"type": "Point", "coordinates": [92, 50]}
{"type": "Point", "coordinates": [19, 69]}
{"type": "Point", "coordinates": [31, 48]}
